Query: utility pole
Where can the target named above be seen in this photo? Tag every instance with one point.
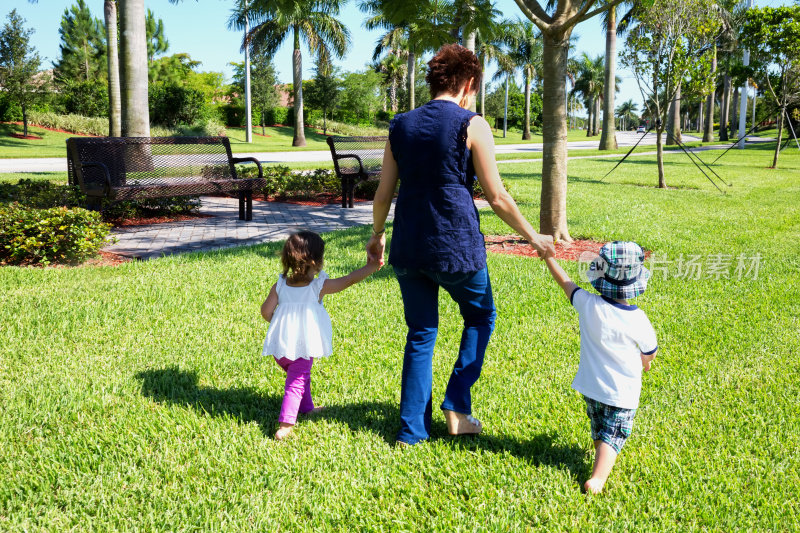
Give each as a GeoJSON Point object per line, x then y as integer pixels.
{"type": "Point", "coordinates": [247, 100]}
{"type": "Point", "coordinates": [743, 103]}
{"type": "Point", "coordinates": [505, 112]}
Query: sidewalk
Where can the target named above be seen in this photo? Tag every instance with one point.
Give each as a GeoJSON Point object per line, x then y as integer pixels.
{"type": "Point", "coordinates": [272, 221]}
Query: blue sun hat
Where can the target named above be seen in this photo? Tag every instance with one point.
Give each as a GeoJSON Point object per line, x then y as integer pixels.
{"type": "Point", "coordinates": [619, 272]}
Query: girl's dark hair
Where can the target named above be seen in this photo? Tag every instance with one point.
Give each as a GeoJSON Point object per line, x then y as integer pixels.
{"type": "Point", "coordinates": [451, 68]}
{"type": "Point", "coordinates": [302, 255]}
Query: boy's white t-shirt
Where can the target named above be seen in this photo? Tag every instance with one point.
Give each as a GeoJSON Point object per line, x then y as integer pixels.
{"type": "Point", "coordinates": [612, 337]}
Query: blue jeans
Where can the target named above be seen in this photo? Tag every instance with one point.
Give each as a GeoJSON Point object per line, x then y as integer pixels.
{"type": "Point", "coordinates": [472, 291]}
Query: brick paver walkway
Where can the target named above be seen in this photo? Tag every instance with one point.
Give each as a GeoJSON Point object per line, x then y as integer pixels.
{"type": "Point", "coordinates": [272, 221]}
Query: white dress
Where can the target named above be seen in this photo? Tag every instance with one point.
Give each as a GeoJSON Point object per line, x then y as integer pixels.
{"type": "Point", "coordinates": [300, 327]}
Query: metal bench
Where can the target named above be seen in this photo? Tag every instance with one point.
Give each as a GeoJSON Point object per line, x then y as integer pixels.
{"type": "Point", "coordinates": [130, 168]}
{"type": "Point", "coordinates": [356, 159]}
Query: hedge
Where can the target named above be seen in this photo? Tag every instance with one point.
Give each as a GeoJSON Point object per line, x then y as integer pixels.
{"type": "Point", "coordinates": [45, 236]}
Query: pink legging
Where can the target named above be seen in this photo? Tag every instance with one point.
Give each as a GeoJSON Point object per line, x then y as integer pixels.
{"type": "Point", "coordinates": [297, 391]}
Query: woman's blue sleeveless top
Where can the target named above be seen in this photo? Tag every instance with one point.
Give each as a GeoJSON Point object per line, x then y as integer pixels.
{"type": "Point", "coordinates": [436, 224]}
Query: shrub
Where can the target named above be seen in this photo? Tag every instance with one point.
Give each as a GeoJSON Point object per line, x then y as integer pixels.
{"type": "Point", "coordinates": [10, 111]}
{"type": "Point", "coordinates": [72, 123]}
{"type": "Point", "coordinates": [86, 98]}
{"type": "Point", "coordinates": [341, 128]}
{"type": "Point", "coordinates": [149, 207]}
{"type": "Point", "coordinates": [172, 104]}
{"type": "Point", "coordinates": [281, 182]}
{"type": "Point", "coordinates": [276, 115]}
{"type": "Point", "coordinates": [384, 116]}
{"type": "Point", "coordinates": [41, 194]}
{"type": "Point", "coordinates": [45, 236]}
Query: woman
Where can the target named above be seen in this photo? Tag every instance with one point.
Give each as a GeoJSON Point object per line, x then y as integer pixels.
{"type": "Point", "coordinates": [436, 151]}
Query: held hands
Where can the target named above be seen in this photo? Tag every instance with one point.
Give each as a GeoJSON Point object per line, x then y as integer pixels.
{"type": "Point", "coordinates": [543, 244]}
{"type": "Point", "coordinates": [375, 249]}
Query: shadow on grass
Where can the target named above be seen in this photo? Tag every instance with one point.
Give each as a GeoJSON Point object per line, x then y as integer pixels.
{"type": "Point", "coordinates": [172, 385]}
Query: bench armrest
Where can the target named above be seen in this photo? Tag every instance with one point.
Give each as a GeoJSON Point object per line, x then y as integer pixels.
{"type": "Point", "coordinates": [104, 168]}
{"type": "Point", "coordinates": [250, 160]}
{"type": "Point", "coordinates": [361, 170]}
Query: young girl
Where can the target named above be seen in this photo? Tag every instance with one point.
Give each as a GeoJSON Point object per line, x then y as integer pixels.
{"type": "Point", "coordinates": [300, 328]}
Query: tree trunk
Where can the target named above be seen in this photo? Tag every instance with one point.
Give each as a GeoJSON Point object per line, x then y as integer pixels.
{"type": "Point", "coordinates": [674, 119]}
{"type": "Point", "coordinates": [780, 135]}
{"type": "Point", "coordinates": [708, 134]}
{"type": "Point", "coordinates": [297, 80]}
{"type": "Point", "coordinates": [114, 106]}
{"type": "Point", "coordinates": [725, 108]}
{"type": "Point", "coordinates": [700, 117]}
{"type": "Point", "coordinates": [469, 44]}
{"type": "Point", "coordinates": [133, 69]}
{"type": "Point", "coordinates": [589, 112]}
{"type": "Point", "coordinates": [412, 81]}
{"type": "Point", "coordinates": [553, 204]}
{"type": "Point", "coordinates": [596, 125]}
{"type": "Point", "coordinates": [25, 120]}
{"type": "Point", "coordinates": [662, 182]}
{"type": "Point", "coordinates": [393, 95]}
{"type": "Point", "coordinates": [526, 127]}
{"type": "Point", "coordinates": [608, 137]}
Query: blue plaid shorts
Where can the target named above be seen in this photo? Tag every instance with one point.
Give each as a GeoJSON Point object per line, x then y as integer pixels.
{"type": "Point", "coordinates": [610, 424]}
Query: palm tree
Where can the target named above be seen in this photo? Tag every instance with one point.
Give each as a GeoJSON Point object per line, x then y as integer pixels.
{"type": "Point", "coordinates": [589, 82]}
{"type": "Point", "coordinates": [489, 46]}
{"type": "Point", "coordinates": [133, 69]}
{"type": "Point", "coordinates": [312, 21]}
{"type": "Point", "coordinates": [627, 110]}
{"type": "Point", "coordinates": [393, 69]}
{"type": "Point", "coordinates": [425, 24]}
{"type": "Point", "coordinates": [608, 140]}
{"type": "Point", "coordinates": [114, 104]}
{"type": "Point", "coordinates": [525, 48]}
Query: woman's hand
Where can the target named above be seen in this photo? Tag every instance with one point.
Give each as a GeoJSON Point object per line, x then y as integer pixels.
{"type": "Point", "coordinates": [543, 244]}
{"type": "Point", "coordinates": [376, 247]}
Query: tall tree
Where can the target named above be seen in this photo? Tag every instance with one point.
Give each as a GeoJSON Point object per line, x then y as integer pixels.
{"type": "Point", "coordinates": [263, 79]}
{"type": "Point", "coordinates": [556, 25]}
{"type": "Point", "coordinates": [312, 21]}
{"type": "Point", "coordinates": [133, 69]}
{"type": "Point", "coordinates": [157, 42]}
{"type": "Point", "coordinates": [82, 46]}
{"type": "Point", "coordinates": [427, 25]}
{"type": "Point", "coordinates": [19, 64]}
{"type": "Point", "coordinates": [525, 47]}
{"type": "Point", "coordinates": [668, 44]}
{"type": "Point", "coordinates": [589, 82]}
{"type": "Point", "coordinates": [112, 53]}
{"type": "Point", "coordinates": [772, 36]}
{"type": "Point", "coordinates": [323, 91]}
{"type": "Point", "coordinates": [608, 138]}
{"type": "Point", "coordinates": [627, 112]}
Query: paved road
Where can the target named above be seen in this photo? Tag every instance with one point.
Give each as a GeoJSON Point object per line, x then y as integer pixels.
{"type": "Point", "coordinates": [59, 164]}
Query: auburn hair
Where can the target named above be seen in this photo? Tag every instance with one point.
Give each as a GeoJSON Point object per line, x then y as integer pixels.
{"type": "Point", "coordinates": [302, 255]}
{"type": "Point", "coordinates": [451, 68]}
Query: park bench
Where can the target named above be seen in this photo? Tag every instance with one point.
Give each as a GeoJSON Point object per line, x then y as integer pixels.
{"type": "Point", "coordinates": [132, 168]}
{"type": "Point", "coordinates": [356, 159]}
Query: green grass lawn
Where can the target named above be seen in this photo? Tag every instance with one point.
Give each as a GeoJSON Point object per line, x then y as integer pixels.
{"type": "Point", "coordinates": [135, 397]}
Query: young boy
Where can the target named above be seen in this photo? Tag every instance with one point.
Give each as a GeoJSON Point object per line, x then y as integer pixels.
{"type": "Point", "coordinates": [617, 341]}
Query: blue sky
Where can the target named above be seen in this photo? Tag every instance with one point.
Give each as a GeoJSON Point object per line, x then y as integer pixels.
{"type": "Point", "coordinates": [199, 28]}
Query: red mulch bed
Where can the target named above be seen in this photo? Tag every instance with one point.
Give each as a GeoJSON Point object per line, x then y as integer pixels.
{"type": "Point", "coordinates": [144, 221]}
{"type": "Point", "coordinates": [48, 129]}
{"type": "Point", "coordinates": [25, 137]}
{"type": "Point", "coordinates": [516, 245]}
{"type": "Point", "coordinates": [106, 259]}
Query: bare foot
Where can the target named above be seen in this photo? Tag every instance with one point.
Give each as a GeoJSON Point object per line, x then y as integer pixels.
{"type": "Point", "coordinates": [284, 430]}
{"type": "Point", "coordinates": [594, 486]}
{"type": "Point", "coordinates": [461, 424]}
